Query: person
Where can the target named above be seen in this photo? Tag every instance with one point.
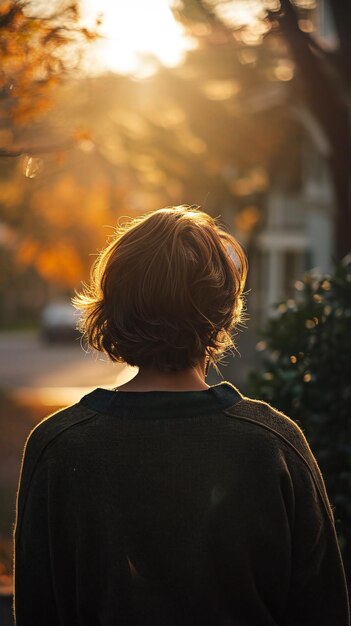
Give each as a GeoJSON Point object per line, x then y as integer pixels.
{"type": "Point", "coordinates": [167, 501]}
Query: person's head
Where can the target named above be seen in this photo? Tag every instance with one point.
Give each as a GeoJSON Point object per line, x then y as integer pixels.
{"type": "Point", "coordinates": [166, 292]}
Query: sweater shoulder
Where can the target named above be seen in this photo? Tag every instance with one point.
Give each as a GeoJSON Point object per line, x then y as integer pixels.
{"type": "Point", "coordinates": [286, 432]}
{"type": "Point", "coordinates": [270, 418]}
{"type": "Point", "coordinates": [37, 442]}
{"type": "Point", "coordinates": [53, 425]}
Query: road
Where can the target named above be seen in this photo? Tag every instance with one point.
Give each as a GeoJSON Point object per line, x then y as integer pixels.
{"type": "Point", "coordinates": [29, 367]}
{"type": "Point", "coordinates": [60, 374]}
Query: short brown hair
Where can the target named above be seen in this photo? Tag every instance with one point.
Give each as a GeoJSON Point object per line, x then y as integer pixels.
{"type": "Point", "coordinates": [166, 291]}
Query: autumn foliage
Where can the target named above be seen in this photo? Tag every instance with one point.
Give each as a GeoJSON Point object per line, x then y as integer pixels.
{"type": "Point", "coordinates": [36, 54]}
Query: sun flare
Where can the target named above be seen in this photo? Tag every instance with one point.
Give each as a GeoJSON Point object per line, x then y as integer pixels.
{"type": "Point", "coordinates": [137, 36]}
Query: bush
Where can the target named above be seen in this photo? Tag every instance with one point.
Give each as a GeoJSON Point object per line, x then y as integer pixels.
{"type": "Point", "coordinates": [306, 373]}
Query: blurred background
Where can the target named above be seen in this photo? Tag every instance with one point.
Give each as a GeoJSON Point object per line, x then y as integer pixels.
{"type": "Point", "coordinates": [111, 109]}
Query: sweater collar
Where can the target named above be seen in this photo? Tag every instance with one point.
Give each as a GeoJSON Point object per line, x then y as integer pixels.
{"type": "Point", "coordinates": [162, 404]}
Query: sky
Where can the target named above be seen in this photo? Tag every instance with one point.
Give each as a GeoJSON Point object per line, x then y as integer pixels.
{"type": "Point", "coordinates": [137, 35]}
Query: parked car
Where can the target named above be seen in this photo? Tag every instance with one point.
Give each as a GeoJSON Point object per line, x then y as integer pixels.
{"type": "Point", "coordinates": [59, 321]}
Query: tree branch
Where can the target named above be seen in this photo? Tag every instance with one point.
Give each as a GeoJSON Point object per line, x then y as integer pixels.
{"type": "Point", "coordinates": [321, 88]}
{"type": "Point", "coordinates": [30, 150]}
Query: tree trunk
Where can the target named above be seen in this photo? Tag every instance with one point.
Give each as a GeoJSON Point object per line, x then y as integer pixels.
{"type": "Point", "coordinates": [340, 167]}
{"type": "Point", "coordinates": [325, 93]}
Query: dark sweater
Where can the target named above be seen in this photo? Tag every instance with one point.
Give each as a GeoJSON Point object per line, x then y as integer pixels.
{"type": "Point", "coordinates": [174, 509]}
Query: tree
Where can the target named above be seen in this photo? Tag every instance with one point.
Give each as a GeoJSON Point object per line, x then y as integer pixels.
{"type": "Point", "coordinates": [306, 360]}
{"type": "Point", "coordinates": [327, 81]}
{"type": "Point", "coordinates": [36, 54]}
{"type": "Point", "coordinates": [322, 78]}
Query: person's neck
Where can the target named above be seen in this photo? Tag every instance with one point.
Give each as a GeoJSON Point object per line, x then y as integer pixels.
{"type": "Point", "coordinates": [149, 379]}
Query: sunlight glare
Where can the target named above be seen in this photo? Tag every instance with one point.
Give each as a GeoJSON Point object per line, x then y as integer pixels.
{"type": "Point", "coordinates": [240, 13]}
{"type": "Point", "coordinates": [137, 36]}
